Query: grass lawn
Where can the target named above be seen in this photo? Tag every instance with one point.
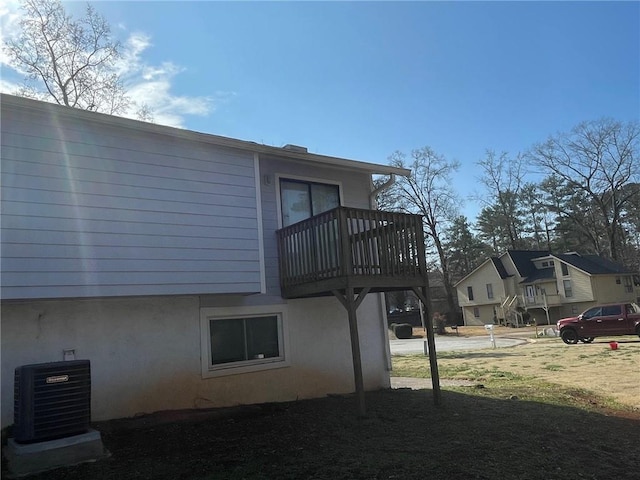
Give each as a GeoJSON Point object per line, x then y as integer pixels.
{"type": "Point", "coordinates": [517, 426]}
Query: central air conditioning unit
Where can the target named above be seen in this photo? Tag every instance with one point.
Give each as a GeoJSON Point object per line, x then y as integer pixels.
{"type": "Point", "coordinates": [51, 400]}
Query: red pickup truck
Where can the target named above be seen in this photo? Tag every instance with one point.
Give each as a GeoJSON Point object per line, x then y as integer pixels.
{"type": "Point", "coordinates": [601, 321]}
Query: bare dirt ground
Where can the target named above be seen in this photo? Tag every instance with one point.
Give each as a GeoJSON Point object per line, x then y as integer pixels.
{"type": "Point", "coordinates": [403, 437]}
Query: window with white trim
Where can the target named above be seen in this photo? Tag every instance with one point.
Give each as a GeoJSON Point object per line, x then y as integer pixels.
{"type": "Point", "coordinates": [489, 291]}
{"type": "Point", "coordinates": [628, 285]}
{"type": "Point", "coordinates": [568, 291]}
{"type": "Point", "coordinates": [243, 339]}
{"type": "Point", "coordinates": [476, 312]}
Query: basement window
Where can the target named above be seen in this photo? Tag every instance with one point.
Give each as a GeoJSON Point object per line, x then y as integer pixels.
{"type": "Point", "coordinates": [243, 339]}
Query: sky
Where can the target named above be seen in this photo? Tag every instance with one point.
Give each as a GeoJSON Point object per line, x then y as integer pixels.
{"type": "Point", "coordinates": [361, 80]}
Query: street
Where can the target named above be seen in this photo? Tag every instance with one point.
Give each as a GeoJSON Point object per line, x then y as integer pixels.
{"type": "Point", "coordinates": [451, 342]}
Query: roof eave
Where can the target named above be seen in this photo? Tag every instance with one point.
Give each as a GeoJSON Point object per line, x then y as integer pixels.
{"type": "Point", "coordinates": [217, 140]}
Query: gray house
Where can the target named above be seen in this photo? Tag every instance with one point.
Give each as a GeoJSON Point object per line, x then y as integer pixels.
{"type": "Point", "coordinates": [192, 270]}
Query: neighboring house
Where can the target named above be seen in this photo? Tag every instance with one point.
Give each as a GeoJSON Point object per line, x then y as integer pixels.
{"type": "Point", "coordinates": [547, 286]}
{"type": "Point", "coordinates": [153, 252]}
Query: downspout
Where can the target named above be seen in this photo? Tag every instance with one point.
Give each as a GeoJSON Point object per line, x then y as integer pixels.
{"type": "Point", "coordinates": [383, 305]}
{"type": "Point", "coordinates": [381, 188]}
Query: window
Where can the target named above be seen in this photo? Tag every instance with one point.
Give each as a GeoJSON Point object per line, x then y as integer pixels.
{"type": "Point", "coordinates": [618, 282]}
{"type": "Point", "coordinates": [612, 310]}
{"type": "Point", "coordinates": [568, 292]}
{"type": "Point", "coordinates": [565, 269]}
{"type": "Point", "coordinates": [592, 312]}
{"type": "Point", "coordinates": [476, 312]}
{"type": "Point", "coordinates": [470, 293]}
{"type": "Point", "coordinates": [489, 291]}
{"type": "Point", "coordinates": [303, 199]}
{"type": "Point", "coordinates": [243, 339]}
{"type": "Point", "coordinates": [545, 264]}
{"type": "Point", "coordinates": [628, 284]}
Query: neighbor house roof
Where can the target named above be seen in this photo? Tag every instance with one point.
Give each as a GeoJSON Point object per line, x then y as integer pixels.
{"type": "Point", "coordinates": [500, 267]}
{"type": "Point", "coordinates": [289, 151]}
{"type": "Point", "coordinates": [592, 264]}
{"type": "Point", "coordinates": [540, 275]}
{"type": "Point", "coordinates": [522, 259]}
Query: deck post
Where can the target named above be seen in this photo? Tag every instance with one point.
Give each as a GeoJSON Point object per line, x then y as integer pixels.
{"type": "Point", "coordinates": [351, 304]}
{"type": "Point", "coordinates": [421, 292]}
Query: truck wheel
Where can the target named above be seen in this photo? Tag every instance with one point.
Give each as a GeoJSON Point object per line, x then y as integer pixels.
{"type": "Point", "coordinates": [569, 336]}
{"type": "Point", "coordinates": [587, 339]}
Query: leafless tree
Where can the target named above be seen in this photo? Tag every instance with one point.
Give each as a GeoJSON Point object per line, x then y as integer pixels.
{"type": "Point", "coordinates": [428, 191]}
{"type": "Point", "coordinates": [596, 160]}
{"type": "Point", "coordinates": [73, 62]}
{"type": "Point", "coordinates": [504, 178]}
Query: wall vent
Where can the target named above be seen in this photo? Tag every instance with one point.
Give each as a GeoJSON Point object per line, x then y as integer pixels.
{"type": "Point", "coordinates": [51, 400]}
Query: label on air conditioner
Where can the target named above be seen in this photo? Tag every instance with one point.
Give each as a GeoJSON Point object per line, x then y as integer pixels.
{"type": "Point", "coordinates": [58, 379]}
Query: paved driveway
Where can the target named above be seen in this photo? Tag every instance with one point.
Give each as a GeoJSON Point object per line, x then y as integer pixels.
{"type": "Point", "coordinates": [451, 342]}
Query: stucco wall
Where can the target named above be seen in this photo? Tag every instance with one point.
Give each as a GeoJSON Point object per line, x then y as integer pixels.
{"type": "Point", "coordinates": [145, 352]}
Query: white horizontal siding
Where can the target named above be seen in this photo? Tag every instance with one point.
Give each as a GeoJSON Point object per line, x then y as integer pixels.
{"type": "Point", "coordinates": [97, 210]}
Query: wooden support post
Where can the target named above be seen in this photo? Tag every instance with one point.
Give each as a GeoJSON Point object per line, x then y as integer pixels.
{"type": "Point", "coordinates": [431, 343]}
{"type": "Point", "coordinates": [351, 304]}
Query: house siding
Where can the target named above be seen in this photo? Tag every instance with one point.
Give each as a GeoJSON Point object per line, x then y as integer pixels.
{"type": "Point", "coordinates": [156, 229]}
{"type": "Point", "coordinates": [478, 281]}
{"type": "Point", "coordinates": [95, 209]}
{"type": "Point", "coordinates": [145, 352]}
{"type": "Point", "coordinates": [608, 291]}
{"type": "Point", "coordinates": [580, 285]}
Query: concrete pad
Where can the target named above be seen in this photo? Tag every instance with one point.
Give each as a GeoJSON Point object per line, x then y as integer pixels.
{"type": "Point", "coordinates": [29, 458]}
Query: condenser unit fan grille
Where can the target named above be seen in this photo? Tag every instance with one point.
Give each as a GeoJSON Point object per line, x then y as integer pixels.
{"type": "Point", "coordinates": [52, 400]}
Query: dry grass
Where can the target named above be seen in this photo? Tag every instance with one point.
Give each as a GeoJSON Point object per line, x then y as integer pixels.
{"type": "Point", "coordinates": [593, 367]}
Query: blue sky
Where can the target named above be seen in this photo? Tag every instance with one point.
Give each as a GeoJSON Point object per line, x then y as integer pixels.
{"type": "Point", "coordinates": [363, 79]}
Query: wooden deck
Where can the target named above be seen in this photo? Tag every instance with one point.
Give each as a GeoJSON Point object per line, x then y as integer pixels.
{"type": "Point", "coordinates": [351, 248]}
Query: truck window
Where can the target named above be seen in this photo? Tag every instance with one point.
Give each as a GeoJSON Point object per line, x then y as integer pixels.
{"type": "Point", "coordinates": [612, 310]}
{"type": "Point", "coordinates": [592, 312]}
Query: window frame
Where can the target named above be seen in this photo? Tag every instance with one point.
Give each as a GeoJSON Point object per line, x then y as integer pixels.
{"type": "Point", "coordinates": [564, 268]}
{"type": "Point", "coordinates": [302, 179]}
{"type": "Point", "coordinates": [490, 291]}
{"type": "Point", "coordinates": [568, 292]}
{"type": "Point", "coordinates": [208, 314]}
{"type": "Point", "coordinates": [476, 312]}
{"type": "Point", "coordinates": [470, 293]}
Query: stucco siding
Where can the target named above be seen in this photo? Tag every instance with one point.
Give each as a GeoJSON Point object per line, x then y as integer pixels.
{"type": "Point", "coordinates": [145, 353]}
{"type": "Point", "coordinates": [97, 209]}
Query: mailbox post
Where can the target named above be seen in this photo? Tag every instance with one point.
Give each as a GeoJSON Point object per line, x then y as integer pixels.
{"type": "Point", "coordinates": [489, 329]}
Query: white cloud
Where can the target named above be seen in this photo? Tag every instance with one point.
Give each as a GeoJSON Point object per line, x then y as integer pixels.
{"type": "Point", "coordinates": [147, 84]}
{"type": "Point", "coordinates": [9, 20]}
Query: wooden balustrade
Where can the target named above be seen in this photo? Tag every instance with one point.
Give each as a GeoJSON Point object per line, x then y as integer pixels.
{"type": "Point", "coordinates": [350, 247]}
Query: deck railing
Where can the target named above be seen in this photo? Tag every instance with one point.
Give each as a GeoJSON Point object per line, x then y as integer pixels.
{"type": "Point", "coordinates": [349, 243]}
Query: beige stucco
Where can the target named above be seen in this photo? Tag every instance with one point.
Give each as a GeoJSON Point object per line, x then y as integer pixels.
{"type": "Point", "coordinates": [146, 352]}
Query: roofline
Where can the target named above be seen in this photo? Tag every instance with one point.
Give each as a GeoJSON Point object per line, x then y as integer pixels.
{"type": "Point", "coordinates": [472, 272]}
{"type": "Point", "coordinates": [372, 168]}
